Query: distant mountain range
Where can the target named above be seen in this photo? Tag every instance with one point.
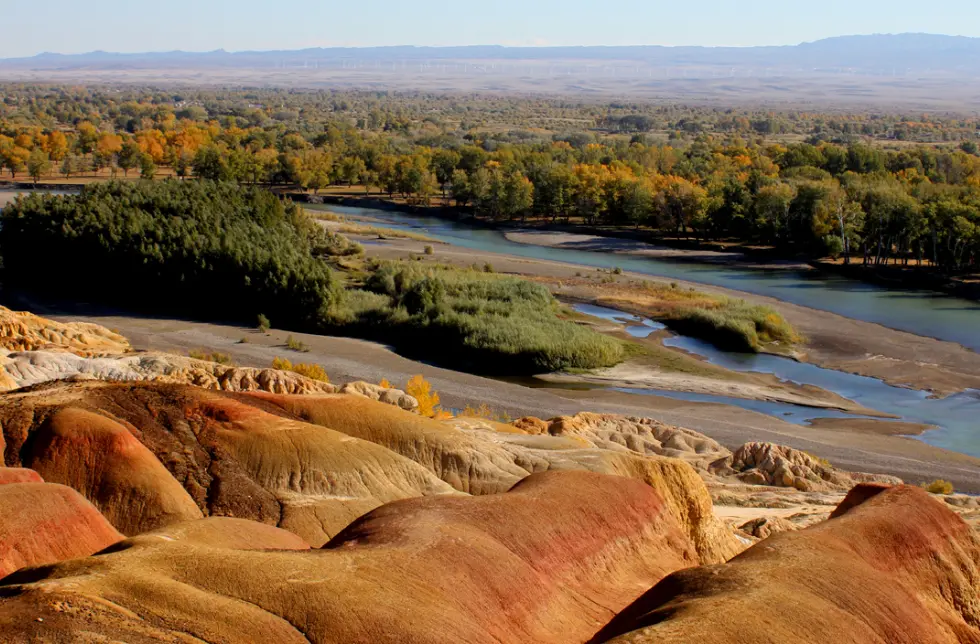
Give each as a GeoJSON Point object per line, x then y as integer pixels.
{"type": "Point", "coordinates": [862, 54]}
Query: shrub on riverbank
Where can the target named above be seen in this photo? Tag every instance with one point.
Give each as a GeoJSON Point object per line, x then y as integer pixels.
{"type": "Point", "coordinates": [486, 322]}
{"type": "Point", "coordinates": [728, 323]}
{"type": "Point", "coordinates": [735, 325]}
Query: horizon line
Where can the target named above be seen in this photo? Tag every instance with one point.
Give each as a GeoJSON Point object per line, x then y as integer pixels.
{"type": "Point", "coordinates": [222, 50]}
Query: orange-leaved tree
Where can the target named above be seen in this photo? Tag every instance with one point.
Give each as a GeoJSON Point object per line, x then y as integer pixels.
{"type": "Point", "coordinates": [420, 389]}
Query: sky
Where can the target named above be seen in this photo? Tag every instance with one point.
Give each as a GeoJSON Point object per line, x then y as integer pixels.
{"type": "Point", "coordinates": [74, 26]}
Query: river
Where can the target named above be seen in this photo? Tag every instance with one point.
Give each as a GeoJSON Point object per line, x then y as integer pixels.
{"type": "Point", "coordinates": [920, 312]}
{"type": "Point", "coordinates": [955, 416]}
{"type": "Point", "coordinates": [924, 313]}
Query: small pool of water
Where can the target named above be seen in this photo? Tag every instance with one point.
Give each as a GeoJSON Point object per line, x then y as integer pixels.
{"type": "Point", "coordinates": [636, 326]}
{"type": "Point", "coordinates": [957, 417]}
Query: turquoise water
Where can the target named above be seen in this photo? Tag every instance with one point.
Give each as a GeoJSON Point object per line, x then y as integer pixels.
{"type": "Point", "coordinates": [955, 416]}
{"type": "Point", "coordinates": [920, 312]}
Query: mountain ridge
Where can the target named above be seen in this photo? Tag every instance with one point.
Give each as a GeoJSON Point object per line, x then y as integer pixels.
{"type": "Point", "coordinates": [857, 46]}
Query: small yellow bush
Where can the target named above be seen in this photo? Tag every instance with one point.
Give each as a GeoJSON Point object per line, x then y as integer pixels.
{"type": "Point", "coordinates": [311, 371]}
{"type": "Point", "coordinates": [420, 389]}
{"type": "Point", "coordinates": [485, 412]}
{"type": "Point", "coordinates": [939, 486]}
{"type": "Point", "coordinates": [220, 358]}
{"type": "Point", "coordinates": [384, 384]}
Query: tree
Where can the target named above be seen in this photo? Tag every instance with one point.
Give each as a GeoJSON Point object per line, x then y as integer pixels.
{"type": "Point", "coordinates": [460, 188]}
{"type": "Point", "coordinates": [69, 165]}
{"type": "Point", "coordinates": [129, 156]}
{"type": "Point", "coordinates": [209, 164]}
{"type": "Point", "coordinates": [845, 215]}
{"type": "Point", "coordinates": [15, 159]}
{"type": "Point", "coordinates": [315, 167]}
{"type": "Point", "coordinates": [57, 146]}
{"type": "Point", "coordinates": [679, 202]}
{"type": "Point", "coordinates": [148, 168]}
{"type": "Point", "coordinates": [351, 169]}
{"type": "Point", "coordinates": [38, 164]}
{"type": "Point", "coordinates": [444, 164]}
{"type": "Point", "coordinates": [518, 195]}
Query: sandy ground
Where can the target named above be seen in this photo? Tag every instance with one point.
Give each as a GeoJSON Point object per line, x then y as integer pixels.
{"type": "Point", "coordinates": [573, 241]}
{"type": "Point", "coordinates": [633, 376]}
{"type": "Point", "coordinates": [348, 359]}
{"type": "Point", "coordinates": [6, 197]}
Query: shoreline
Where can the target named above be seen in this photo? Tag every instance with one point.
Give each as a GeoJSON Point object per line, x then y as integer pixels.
{"type": "Point", "coordinates": [684, 250]}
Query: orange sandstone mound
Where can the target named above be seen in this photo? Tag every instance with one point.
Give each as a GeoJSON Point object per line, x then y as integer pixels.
{"type": "Point", "coordinates": [893, 566]}
{"type": "Point", "coordinates": [22, 331]}
{"type": "Point", "coordinates": [10, 475]}
{"type": "Point", "coordinates": [149, 455]}
{"type": "Point", "coordinates": [42, 523]}
{"type": "Point", "coordinates": [489, 462]}
{"type": "Point", "coordinates": [550, 561]}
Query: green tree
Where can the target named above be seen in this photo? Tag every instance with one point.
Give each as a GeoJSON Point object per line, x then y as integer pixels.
{"type": "Point", "coordinates": [38, 164]}
{"type": "Point", "coordinates": [148, 169]}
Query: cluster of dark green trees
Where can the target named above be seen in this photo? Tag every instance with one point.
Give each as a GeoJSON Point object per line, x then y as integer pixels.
{"type": "Point", "coordinates": [191, 248]}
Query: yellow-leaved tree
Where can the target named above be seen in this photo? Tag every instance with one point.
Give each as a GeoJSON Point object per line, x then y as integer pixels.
{"type": "Point", "coordinates": [420, 389]}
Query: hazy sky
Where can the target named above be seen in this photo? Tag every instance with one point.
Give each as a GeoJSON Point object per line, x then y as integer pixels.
{"type": "Point", "coordinates": [73, 26]}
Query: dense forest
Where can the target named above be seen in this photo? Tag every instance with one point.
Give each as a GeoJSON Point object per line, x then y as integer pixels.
{"type": "Point", "coordinates": [868, 187]}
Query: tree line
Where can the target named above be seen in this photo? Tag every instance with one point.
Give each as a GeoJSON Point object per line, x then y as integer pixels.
{"type": "Point", "coordinates": [849, 196]}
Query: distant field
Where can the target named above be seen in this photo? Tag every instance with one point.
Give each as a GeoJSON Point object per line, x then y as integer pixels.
{"type": "Point", "coordinates": [803, 89]}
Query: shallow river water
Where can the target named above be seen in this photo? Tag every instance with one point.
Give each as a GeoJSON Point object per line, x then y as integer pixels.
{"type": "Point", "coordinates": [955, 416]}
{"type": "Point", "coordinates": [920, 312]}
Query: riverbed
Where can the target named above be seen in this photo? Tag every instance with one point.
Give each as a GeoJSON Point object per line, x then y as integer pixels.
{"type": "Point", "coordinates": [955, 417]}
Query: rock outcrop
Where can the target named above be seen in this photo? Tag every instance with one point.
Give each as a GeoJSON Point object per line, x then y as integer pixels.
{"type": "Point", "coordinates": [765, 527]}
{"type": "Point", "coordinates": [149, 455]}
{"type": "Point", "coordinates": [25, 369]}
{"type": "Point", "coordinates": [21, 331]}
{"type": "Point", "coordinates": [43, 523]}
{"type": "Point", "coordinates": [438, 570]}
{"type": "Point", "coordinates": [485, 461]}
{"type": "Point", "coordinates": [780, 466]}
{"type": "Point", "coordinates": [640, 435]}
{"type": "Point", "coordinates": [395, 397]}
{"type": "Point", "coordinates": [893, 566]}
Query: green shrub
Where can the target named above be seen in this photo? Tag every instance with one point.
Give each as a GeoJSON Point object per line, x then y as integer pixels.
{"type": "Point", "coordinates": [263, 323]}
{"type": "Point", "coordinates": [208, 356]}
{"type": "Point", "coordinates": [485, 322]}
{"type": "Point", "coordinates": [733, 325]}
{"type": "Point", "coordinates": [311, 371]}
{"type": "Point", "coordinates": [429, 250]}
{"type": "Point", "coordinates": [295, 345]}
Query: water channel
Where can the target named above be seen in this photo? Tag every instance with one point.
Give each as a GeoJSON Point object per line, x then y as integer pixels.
{"type": "Point", "coordinates": [923, 313]}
